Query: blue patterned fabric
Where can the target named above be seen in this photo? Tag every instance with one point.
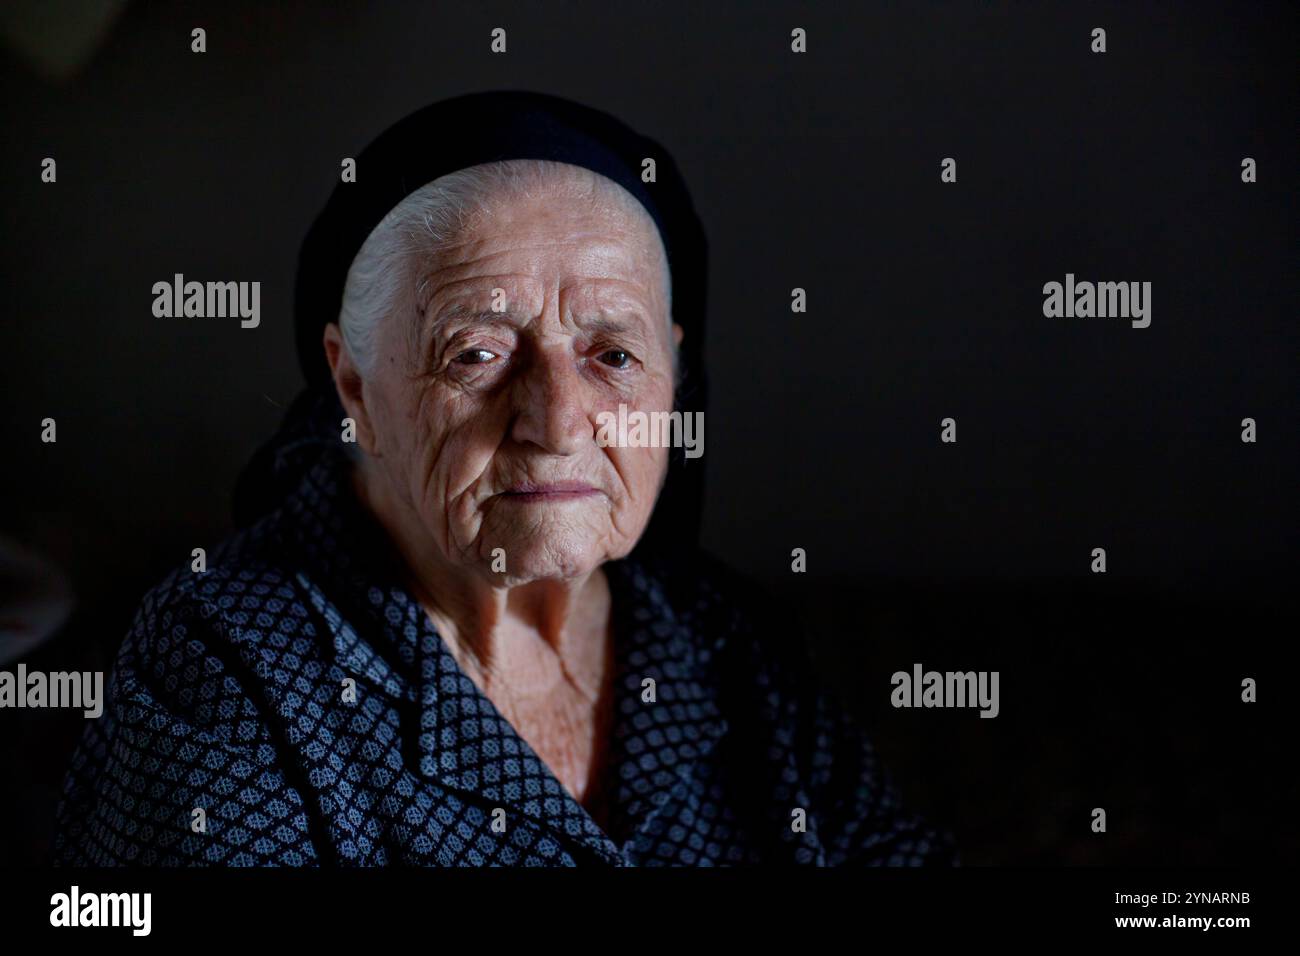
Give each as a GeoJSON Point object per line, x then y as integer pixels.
{"type": "Point", "coordinates": [227, 697]}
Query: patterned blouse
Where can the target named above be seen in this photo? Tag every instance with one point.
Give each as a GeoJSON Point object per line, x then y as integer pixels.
{"type": "Point", "coordinates": [293, 705]}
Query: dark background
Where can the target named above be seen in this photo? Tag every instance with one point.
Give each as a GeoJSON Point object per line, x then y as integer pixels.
{"type": "Point", "coordinates": [820, 171]}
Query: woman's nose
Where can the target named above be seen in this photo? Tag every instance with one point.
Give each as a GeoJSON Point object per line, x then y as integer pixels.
{"type": "Point", "coordinates": [550, 403]}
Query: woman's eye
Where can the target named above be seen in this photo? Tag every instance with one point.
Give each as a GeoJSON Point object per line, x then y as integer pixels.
{"type": "Point", "coordinates": [474, 357]}
{"type": "Point", "coordinates": [616, 357]}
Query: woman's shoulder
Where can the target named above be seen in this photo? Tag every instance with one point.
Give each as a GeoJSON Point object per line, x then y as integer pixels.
{"type": "Point", "coordinates": [786, 718]}
{"type": "Point", "coordinates": [243, 570]}
{"type": "Point", "coordinates": [731, 609]}
{"type": "Point", "coordinates": [216, 606]}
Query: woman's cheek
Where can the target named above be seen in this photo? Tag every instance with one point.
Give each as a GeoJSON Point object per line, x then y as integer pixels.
{"type": "Point", "coordinates": [644, 468]}
{"type": "Point", "coordinates": [445, 488]}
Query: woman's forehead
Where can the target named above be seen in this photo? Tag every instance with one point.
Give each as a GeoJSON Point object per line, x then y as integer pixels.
{"type": "Point", "coordinates": [521, 247]}
{"type": "Point", "coordinates": [552, 217]}
{"type": "Point", "coordinates": [506, 293]}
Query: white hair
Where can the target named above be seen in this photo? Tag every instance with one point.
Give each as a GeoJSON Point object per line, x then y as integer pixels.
{"type": "Point", "coordinates": [385, 277]}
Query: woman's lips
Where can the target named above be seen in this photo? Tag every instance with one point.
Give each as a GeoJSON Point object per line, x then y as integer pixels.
{"type": "Point", "coordinates": [551, 491]}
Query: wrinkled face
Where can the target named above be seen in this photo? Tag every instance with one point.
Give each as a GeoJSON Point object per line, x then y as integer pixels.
{"type": "Point", "coordinates": [544, 313]}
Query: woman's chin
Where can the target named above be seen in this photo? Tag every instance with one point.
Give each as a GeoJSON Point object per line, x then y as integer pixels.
{"type": "Point", "coordinates": [518, 561]}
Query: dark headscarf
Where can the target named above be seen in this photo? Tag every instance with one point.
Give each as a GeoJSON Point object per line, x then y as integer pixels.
{"type": "Point", "coordinates": [440, 139]}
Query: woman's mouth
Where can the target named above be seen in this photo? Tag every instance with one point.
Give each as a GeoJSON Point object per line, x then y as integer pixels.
{"type": "Point", "coordinates": [556, 491]}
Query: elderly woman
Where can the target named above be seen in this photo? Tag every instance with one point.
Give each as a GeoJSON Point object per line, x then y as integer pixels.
{"type": "Point", "coordinates": [447, 637]}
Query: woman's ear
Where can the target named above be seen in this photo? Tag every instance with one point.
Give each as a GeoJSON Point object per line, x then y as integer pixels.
{"type": "Point", "coordinates": [350, 386]}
